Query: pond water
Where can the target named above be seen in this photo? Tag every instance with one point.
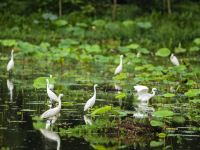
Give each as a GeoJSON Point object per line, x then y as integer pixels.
{"type": "Point", "coordinates": [20, 103]}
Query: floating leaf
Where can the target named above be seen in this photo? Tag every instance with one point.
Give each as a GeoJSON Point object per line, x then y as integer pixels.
{"type": "Point", "coordinates": [156, 143]}
{"type": "Point", "coordinates": [163, 113]}
{"type": "Point", "coordinates": [163, 52]}
{"type": "Point", "coordinates": [40, 82]}
{"type": "Point", "coordinates": [192, 92]}
{"type": "Point", "coordinates": [120, 76]}
{"type": "Point", "coordinates": [60, 22]}
{"type": "Point", "coordinates": [144, 25]}
{"type": "Point", "coordinates": [179, 49]}
{"type": "Point", "coordinates": [169, 95]}
{"type": "Point", "coordinates": [8, 42]}
{"type": "Point", "coordinates": [197, 41]}
{"type": "Point", "coordinates": [162, 135]}
{"type": "Point", "coordinates": [143, 50]}
{"type": "Point", "coordinates": [99, 23]}
{"type": "Point", "coordinates": [195, 101]}
{"type": "Point", "coordinates": [128, 23]}
{"type": "Point", "coordinates": [120, 95]}
{"type": "Point", "coordinates": [133, 46]}
{"type": "Point", "coordinates": [101, 110]}
{"type": "Point", "coordinates": [49, 16]}
{"type": "Point", "coordinates": [156, 123]}
{"type": "Point", "coordinates": [178, 119]}
{"type": "Point", "coordinates": [194, 49]}
{"type": "Point", "coordinates": [67, 104]}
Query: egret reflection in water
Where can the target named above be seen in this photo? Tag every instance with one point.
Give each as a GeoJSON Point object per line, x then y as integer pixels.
{"type": "Point", "coordinates": [50, 135]}
{"type": "Point", "coordinates": [10, 86]}
{"type": "Point", "coordinates": [87, 120]}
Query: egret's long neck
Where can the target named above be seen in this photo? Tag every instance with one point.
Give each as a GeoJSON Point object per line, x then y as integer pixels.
{"type": "Point", "coordinates": [95, 91]}
{"type": "Point", "coordinates": [121, 61]}
{"type": "Point", "coordinates": [47, 84]}
{"type": "Point", "coordinates": [12, 55]}
{"type": "Point", "coordinates": [59, 101]}
{"type": "Point", "coordinates": [153, 93]}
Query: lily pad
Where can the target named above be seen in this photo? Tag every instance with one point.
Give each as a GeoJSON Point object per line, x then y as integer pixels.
{"type": "Point", "coordinates": [169, 95]}
{"type": "Point", "coordinates": [163, 113]}
{"type": "Point", "coordinates": [163, 52]}
{"type": "Point", "coordinates": [192, 92]}
{"type": "Point", "coordinates": [101, 110]}
{"type": "Point", "coordinates": [156, 123]}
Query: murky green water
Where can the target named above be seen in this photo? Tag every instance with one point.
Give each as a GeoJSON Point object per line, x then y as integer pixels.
{"type": "Point", "coordinates": [20, 103]}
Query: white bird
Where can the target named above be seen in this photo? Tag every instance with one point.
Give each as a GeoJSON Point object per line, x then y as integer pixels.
{"type": "Point", "coordinates": [53, 111]}
{"type": "Point", "coordinates": [51, 85]}
{"type": "Point", "coordinates": [11, 62]}
{"type": "Point", "coordinates": [140, 115]}
{"type": "Point", "coordinates": [51, 136]}
{"type": "Point", "coordinates": [119, 67]}
{"type": "Point", "coordinates": [141, 89]}
{"type": "Point", "coordinates": [91, 101]}
{"type": "Point", "coordinates": [52, 95]}
{"type": "Point", "coordinates": [51, 121]}
{"type": "Point", "coordinates": [147, 96]}
{"type": "Point", "coordinates": [174, 60]}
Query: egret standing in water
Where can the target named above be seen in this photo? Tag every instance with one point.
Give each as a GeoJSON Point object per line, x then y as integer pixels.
{"type": "Point", "coordinates": [141, 89]}
{"type": "Point", "coordinates": [10, 65]}
{"type": "Point", "coordinates": [52, 95]}
{"type": "Point", "coordinates": [145, 97]}
{"type": "Point", "coordinates": [51, 85]}
{"type": "Point", "coordinates": [49, 114]}
{"type": "Point", "coordinates": [119, 67]}
{"type": "Point", "coordinates": [174, 60]}
{"type": "Point", "coordinates": [91, 101]}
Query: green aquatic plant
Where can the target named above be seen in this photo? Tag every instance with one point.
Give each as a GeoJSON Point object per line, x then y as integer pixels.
{"type": "Point", "coordinates": [163, 52]}
{"type": "Point", "coordinates": [40, 82]}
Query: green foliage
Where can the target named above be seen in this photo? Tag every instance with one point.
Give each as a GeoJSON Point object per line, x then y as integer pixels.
{"type": "Point", "coordinates": [192, 92]}
{"type": "Point", "coordinates": [40, 82]}
{"type": "Point", "coordinates": [156, 143]}
{"type": "Point", "coordinates": [120, 95]}
{"type": "Point", "coordinates": [101, 110]}
{"type": "Point", "coordinates": [169, 95]}
{"type": "Point", "coordinates": [163, 113]}
{"type": "Point", "coordinates": [163, 52]}
{"type": "Point", "coordinates": [8, 42]}
{"type": "Point", "coordinates": [156, 123]}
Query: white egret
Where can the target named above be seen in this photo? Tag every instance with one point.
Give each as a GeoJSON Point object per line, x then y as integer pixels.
{"type": "Point", "coordinates": [49, 114]}
{"type": "Point", "coordinates": [140, 115]}
{"type": "Point", "coordinates": [51, 121]}
{"type": "Point", "coordinates": [91, 101]}
{"type": "Point", "coordinates": [51, 136]}
{"type": "Point", "coordinates": [119, 67]}
{"type": "Point", "coordinates": [52, 95]}
{"type": "Point", "coordinates": [11, 62]}
{"type": "Point", "coordinates": [51, 85]}
{"type": "Point", "coordinates": [141, 89]}
{"type": "Point", "coordinates": [174, 60]}
{"type": "Point", "coordinates": [145, 97]}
